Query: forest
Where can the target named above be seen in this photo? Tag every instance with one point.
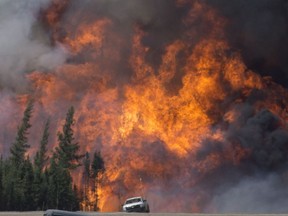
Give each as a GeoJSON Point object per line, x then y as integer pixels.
{"type": "Point", "coordinates": [45, 181]}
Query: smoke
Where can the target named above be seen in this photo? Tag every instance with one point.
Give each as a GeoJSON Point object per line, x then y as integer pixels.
{"type": "Point", "coordinates": [258, 29]}
{"type": "Point", "coordinates": [24, 45]}
{"type": "Point", "coordinates": [254, 195]}
{"type": "Point", "coordinates": [256, 183]}
{"type": "Point", "coordinates": [162, 20]}
{"type": "Point", "coordinates": [263, 133]}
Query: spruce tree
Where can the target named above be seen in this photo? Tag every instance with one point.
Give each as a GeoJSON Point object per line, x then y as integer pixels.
{"type": "Point", "coordinates": [86, 179]}
{"type": "Point", "coordinates": [60, 191]}
{"type": "Point", "coordinates": [64, 160]}
{"type": "Point", "coordinates": [75, 205]}
{"type": "Point", "coordinates": [67, 151]}
{"type": "Point", "coordinates": [52, 198]}
{"type": "Point", "coordinates": [40, 185]}
{"type": "Point", "coordinates": [41, 156]}
{"type": "Point", "coordinates": [97, 164]}
{"type": "Point", "coordinates": [97, 167]}
{"type": "Point", "coordinates": [17, 173]}
{"type": "Point", "coordinates": [9, 183]}
{"type": "Point", "coordinates": [20, 146]}
{"type": "Point", "coordinates": [27, 182]}
{"type": "Point", "coordinates": [1, 185]}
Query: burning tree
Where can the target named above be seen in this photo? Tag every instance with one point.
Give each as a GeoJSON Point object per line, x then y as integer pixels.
{"type": "Point", "coordinates": [40, 176]}
{"type": "Point", "coordinates": [92, 180]}
{"type": "Point", "coordinates": [19, 174]}
{"type": "Point", "coordinates": [64, 160]}
{"type": "Point", "coordinates": [20, 146]}
{"type": "Point", "coordinates": [67, 151]}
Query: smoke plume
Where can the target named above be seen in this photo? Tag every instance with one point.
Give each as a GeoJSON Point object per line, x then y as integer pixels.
{"type": "Point", "coordinates": [258, 29]}
{"type": "Point", "coordinates": [24, 46]}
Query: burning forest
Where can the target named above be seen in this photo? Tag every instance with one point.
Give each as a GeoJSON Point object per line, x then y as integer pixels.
{"type": "Point", "coordinates": [185, 99]}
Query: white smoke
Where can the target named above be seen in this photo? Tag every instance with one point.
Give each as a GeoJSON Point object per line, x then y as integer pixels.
{"type": "Point", "coordinates": [24, 46]}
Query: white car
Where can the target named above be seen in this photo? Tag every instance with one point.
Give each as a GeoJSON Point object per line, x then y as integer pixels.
{"type": "Point", "coordinates": [136, 204]}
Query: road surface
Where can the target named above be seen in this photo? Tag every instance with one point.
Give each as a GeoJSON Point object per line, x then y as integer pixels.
{"type": "Point", "coordinates": [137, 214]}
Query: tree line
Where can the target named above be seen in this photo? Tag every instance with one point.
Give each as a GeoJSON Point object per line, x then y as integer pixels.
{"type": "Point", "coordinates": [45, 181]}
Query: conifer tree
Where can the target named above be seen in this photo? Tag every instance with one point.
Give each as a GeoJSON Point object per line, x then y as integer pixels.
{"type": "Point", "coordinates": [52, 198]}
{"type": "Point", "coordinates": [97, 164]}
{"type": "Point", "coordinates": [86, 179]}
{"type": "Point", "coordinates": [97, 167]}
{"type": "Point", "coordinates": [20, 146]}
{"type": "Point", "coordinates": [27, 184]}
{"type": "Point", "coordinates": [17, 172]}
{"type": "Point", "coordinates": [41, 156]}
{"type": "Point", "coordinates": [40, 182]}
{"type": "Point", "coordinates": [67, 151]}
{"type": "Point", "coordinates": [60, 191]}
{"type": "Point", "coordinates": [86, 163]}
{"type": "Point", "coordinates": [64, 160]}
{"type": "Point", "coordinates": [8, 185]}
{"type": "Point", "coordinates": [1, 184]}
{"type": "Point", "coordinates": [75, 205]}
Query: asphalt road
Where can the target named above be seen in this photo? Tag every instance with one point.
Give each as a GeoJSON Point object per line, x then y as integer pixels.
{"type": "Point", "coordinates": [137, 214]}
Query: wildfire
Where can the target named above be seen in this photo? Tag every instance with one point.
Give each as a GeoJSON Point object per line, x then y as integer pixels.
{"type": "Point", "coordinates": [153, 121]}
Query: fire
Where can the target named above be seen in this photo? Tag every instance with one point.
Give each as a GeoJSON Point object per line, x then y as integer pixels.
{"type": "Point", "coordinates": [152, 122]}
{"type": "Point", "coordinates": [94, 37]}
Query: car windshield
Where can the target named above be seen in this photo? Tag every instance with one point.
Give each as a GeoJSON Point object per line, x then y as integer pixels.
{"type": "Point", "coordinates": [133, 200]}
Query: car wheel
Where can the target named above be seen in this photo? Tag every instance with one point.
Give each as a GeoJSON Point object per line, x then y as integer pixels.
{"type": "Point", "coordinates": [148, 209]}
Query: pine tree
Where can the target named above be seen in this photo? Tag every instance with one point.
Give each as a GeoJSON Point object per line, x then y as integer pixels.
{"type": "Point", "coordinates": [1, 185]}
{"type": "Point", "coordinates": [42, 200]}
{"type": "Point", "coordinates": [97, 168]}
{"type": "Point", "coordinates": [15, 182]}
{"type": "Point", "coordinates": [40, 185]}
{"type": "Point", "coordinates": [64, 160]}
{"type": "Point", "coordinates": [67, 151]}
{"type": "Point", "coordinates": [9, 184]}
{"type": "Point", "coordinates": [41, 158]}
{"type": "Point", "coordinates": [86, 179]}
{"type": "Point", "coordinates": [86, 163]}
{"type": "Point", "coordinates": [52, 198]}
{"type": "Point", "coordinates": [20, 146]}
{"type": "Point", "coordinates": [27, 184]}
{"type": "Point", "coordinates": [75, 205]}
{"type": "Point", "coordinates": [60, 191]}
{"type": "Point", "coordinates": [97, 164]}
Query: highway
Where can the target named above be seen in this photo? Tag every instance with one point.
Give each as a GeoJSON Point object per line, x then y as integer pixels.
{"type": "Point", "coordinates": [137, 214]}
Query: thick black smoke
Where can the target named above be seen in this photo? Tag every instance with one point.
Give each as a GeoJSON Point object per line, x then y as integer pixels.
{"type": "Point", "coordinates": [258, 182]}
{"type": "Point", "coordinates": [259, 30]}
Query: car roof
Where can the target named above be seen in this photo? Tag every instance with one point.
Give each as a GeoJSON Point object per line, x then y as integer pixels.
{"type": "Point", "coordinates": [138, 197]}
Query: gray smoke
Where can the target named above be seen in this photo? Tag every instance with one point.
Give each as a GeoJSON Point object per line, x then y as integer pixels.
{"type": "Point", "coordinates": [24, 45]}
{"type": "Point", "coordinates": [254, 195]}
{"type": "Point", "coordinates": [258, 29]}
{"type": "Point", "coordinates": [258, 182]}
